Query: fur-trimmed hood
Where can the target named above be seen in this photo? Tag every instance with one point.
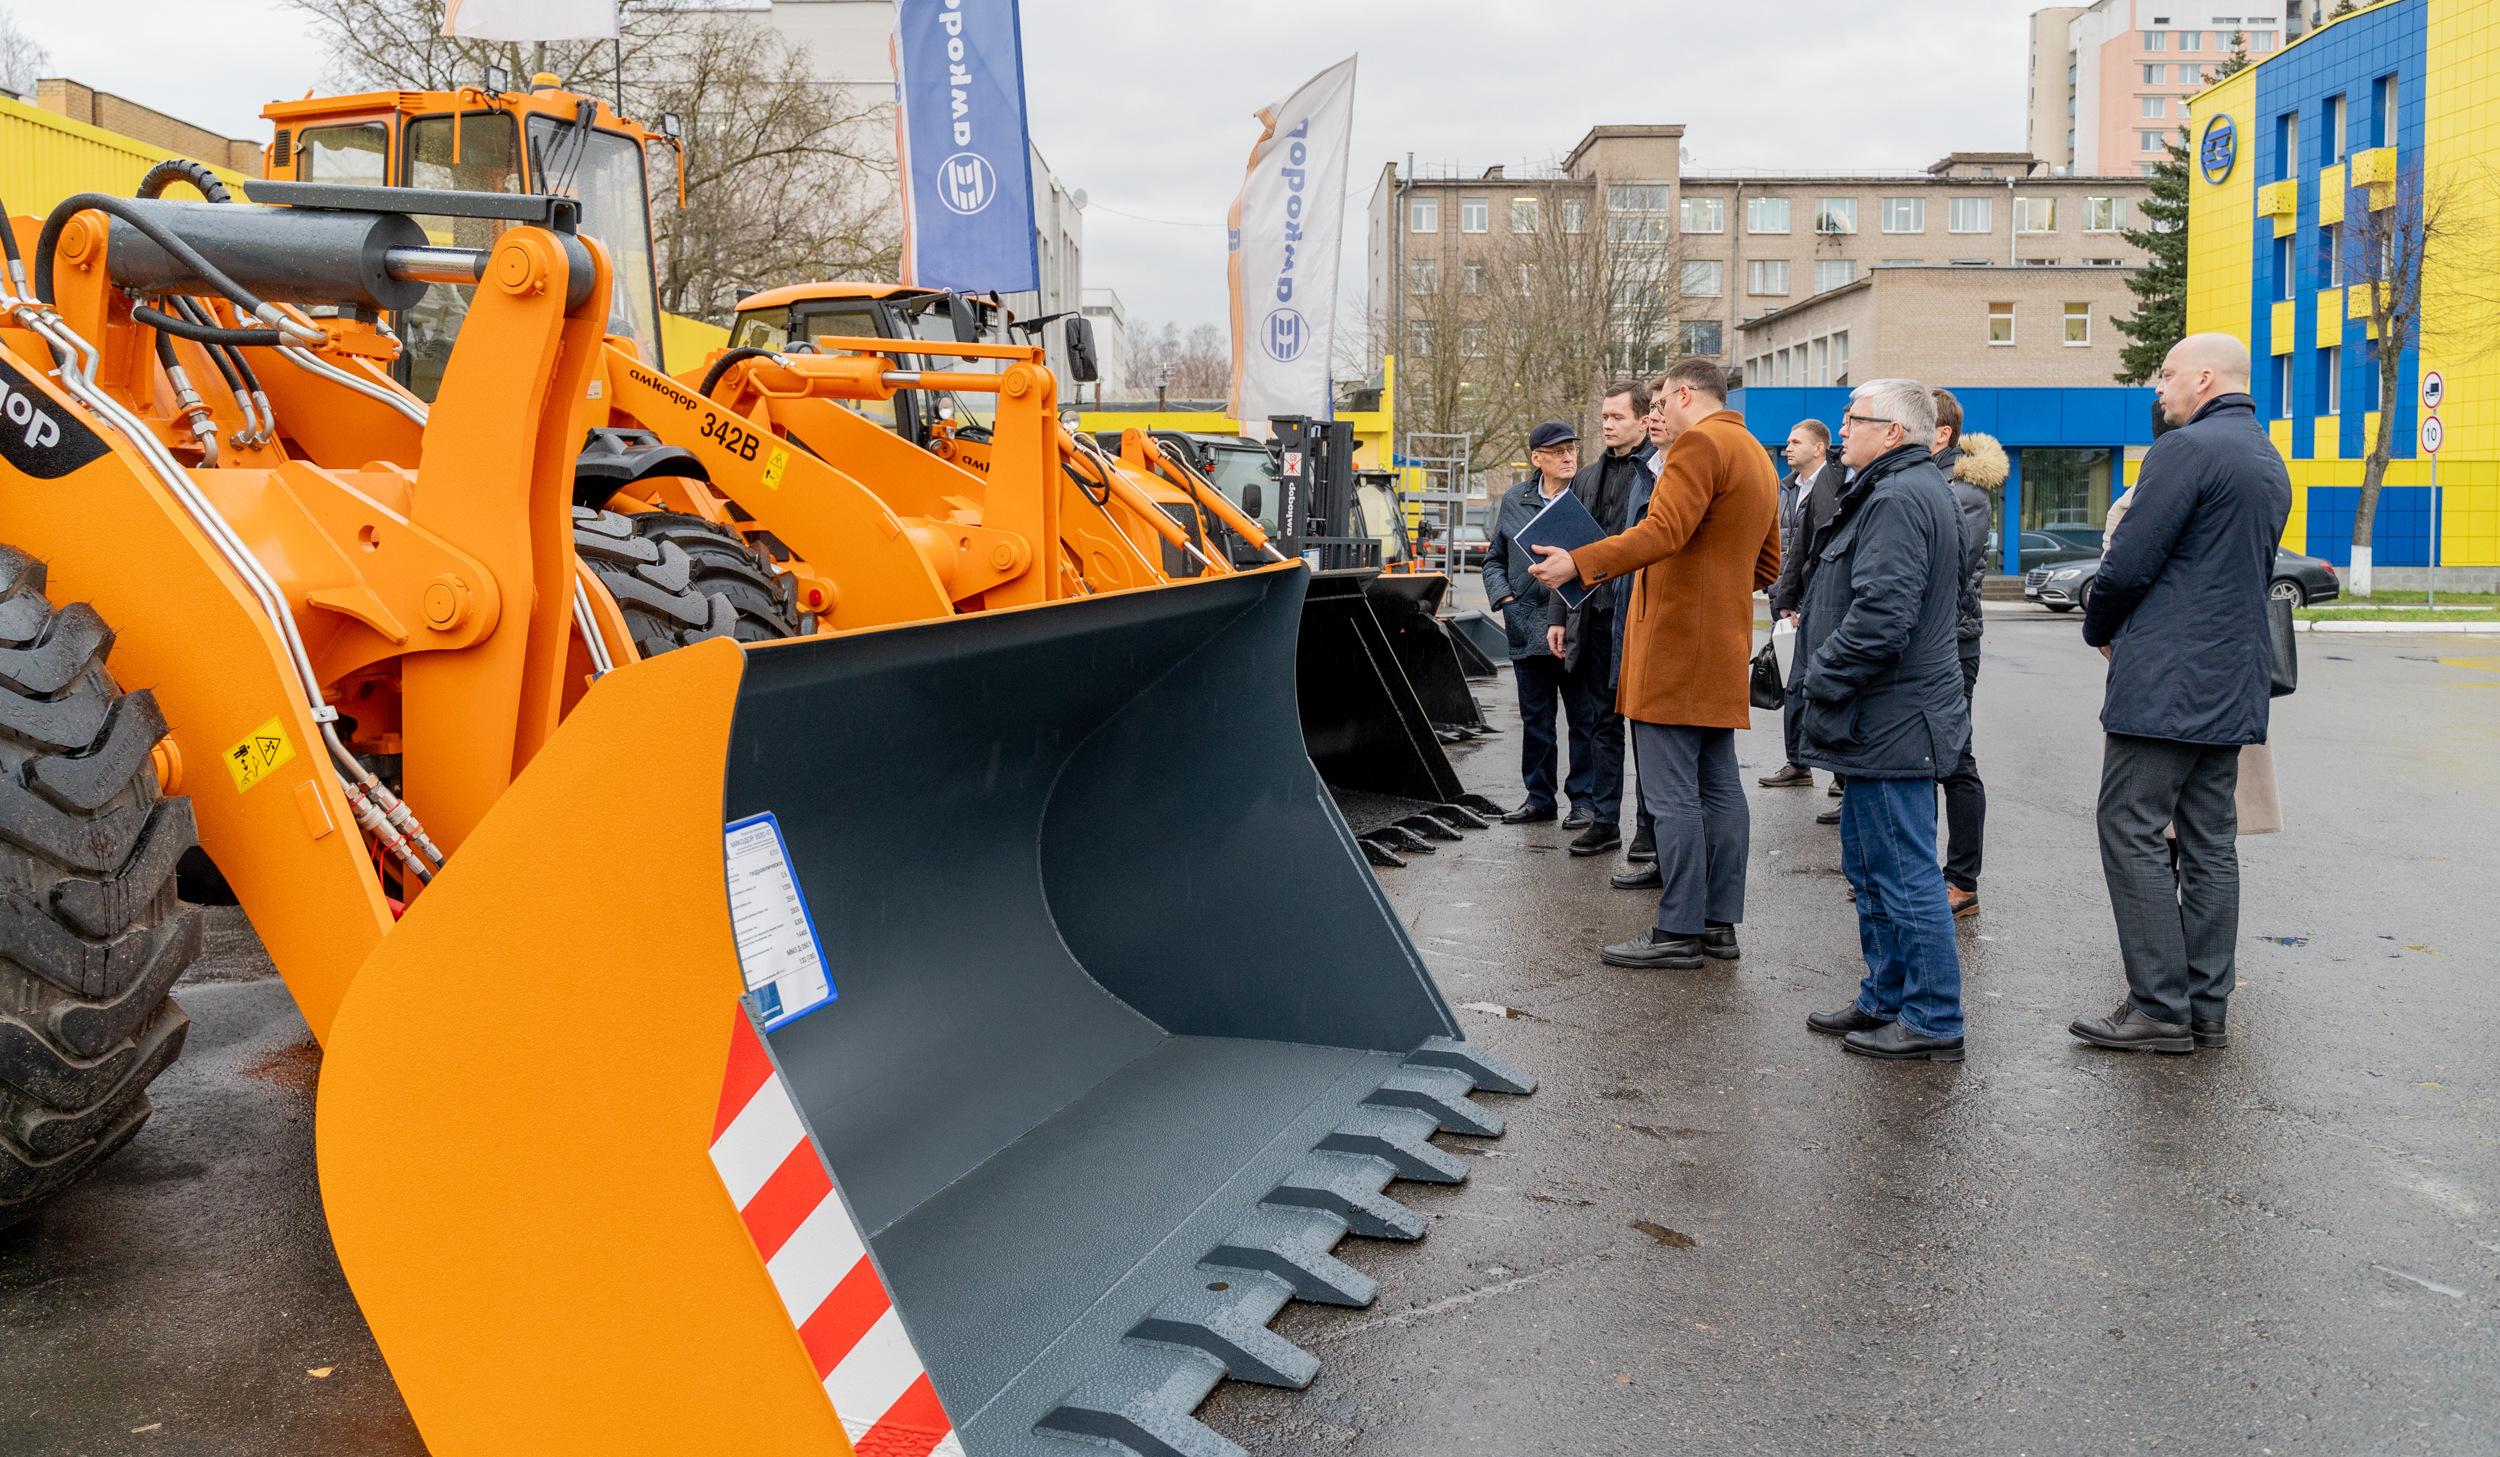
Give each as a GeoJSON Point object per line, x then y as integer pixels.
{"type": "Point", "coordinates": [1983, 462]}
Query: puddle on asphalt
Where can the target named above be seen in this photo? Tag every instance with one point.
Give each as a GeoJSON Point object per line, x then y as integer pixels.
{"type": "Point", "coordinates": [1672, 1239]}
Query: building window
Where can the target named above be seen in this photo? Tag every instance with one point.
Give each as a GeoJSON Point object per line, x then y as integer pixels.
{"type": "Point", "coordinates": [2283, 387]}
{"type": "Point", "coordinates": [1968, 214]}
{"type": "Point", "coordinates": [1701, 279]}
{"type": "Point", "coordinates": [1471, 278]}
{"type": "Point", "coordinates": [2078, 323]}
{"type": "Point", "coordinates": [2260, 41]}
{"type": "Point", "coordinates": [1698, 336]}
{"type": "Point", "coordinates": [2286, 145]}
{"type": "Point", "coordinates": [2155, 107]}
{"type": "Point", "coordinates": [1766, 276]}
{"type": "Point", "coordinates": [1836, 215]}
{"type": "Point", "coordinates": [2330, 381]}
{"type": "Point", "coordinates": [1423, 275]}
{"type": "Point", "coordinates": [1419, 339]}
{"type": "Point", "coordinates": [1901, 262]}
{"type": "Point", "coordinates": [2331, 256]}
{"type": "Point", "coordinates": [2035, 214]}
{"type": "Point", "coordinates": [2148, 141]}
{"type": "Point", "coordinates": [1523, 214]}
{"type": "Point", "coordinates": [2191, 40]}
{"type": "Point", "coordinates": [2285, 271]}
{"type": "Point", "coordinates": [2383, 112]}
{"type": "Point", "coordinates": [1832, 273]}
{"type": "Point", "coordinates": [2334, 130]}
{"type": "Point", "coordinates": [2156, 75]}
{"type": "Point", "coordinates": [2104, 214]}
{"type": "Point", "coordinates": [1840, 357]}
{"type": "Point", "coordinates": [1575, 215]}
{"type": "Point", "coordinates": [1766, 215]}
{"type": "Point", "coordinates": [1705, 214]}
{"type": "Point", "coordinates": [1905, 214]}
{"type": "Point", "coordinates": [1822, 362]}
{"type": "Point", "coordinates": [2155, 40]}
{"type": "Point", "coordinates": [1638, 197]}
{"type": "Point", "coordinates": [1423, 215]}
{"type": "Point", "coordinates": [1475, 215]}
{"type": "Point", "coordinates": [2001, 323]}
{"type": "Point", "coordinates": [1471, 341]}
{"type": "Point", "coordinates": [1526, 281]}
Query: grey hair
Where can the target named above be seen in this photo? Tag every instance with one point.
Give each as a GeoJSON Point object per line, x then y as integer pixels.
{"type": "Point", "coordinates": [1903, 400]}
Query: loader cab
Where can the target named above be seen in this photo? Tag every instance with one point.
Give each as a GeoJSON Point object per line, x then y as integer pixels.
{"type": "Point", "coordinates": [1245, 471]}
{"type": "Point", "coordinates": [539, 141]}
{"type": "Point", "coordinates": [794, 318]}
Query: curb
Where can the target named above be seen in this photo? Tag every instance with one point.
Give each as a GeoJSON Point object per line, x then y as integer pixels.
{"type": "Point", "coordinates": [2474, 629]}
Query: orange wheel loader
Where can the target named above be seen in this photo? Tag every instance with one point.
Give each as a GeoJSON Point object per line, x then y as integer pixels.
{"type": "Point", "coordinates": [884, 1038]}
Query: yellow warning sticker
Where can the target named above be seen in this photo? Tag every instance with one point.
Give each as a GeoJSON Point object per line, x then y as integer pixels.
{"type": "Point", "coordinates": [261, 751]}
{"type": "Point", "coordinates": [774, 465]}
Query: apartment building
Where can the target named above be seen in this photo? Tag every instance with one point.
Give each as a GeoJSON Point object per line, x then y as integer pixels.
{"type": "Point", "coordinates": [2047, 327]}
{"type": "Point", "coordinates": [2109, 83]}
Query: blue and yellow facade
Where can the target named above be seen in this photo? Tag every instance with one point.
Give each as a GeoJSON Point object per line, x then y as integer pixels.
{"type": "Point", "coordinates": [2415, 86]}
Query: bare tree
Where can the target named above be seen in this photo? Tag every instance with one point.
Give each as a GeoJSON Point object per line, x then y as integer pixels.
{"type": "Point", "coordinates": [2393, 236]}
{"type": "Point", "coordinates": [1192, 366]}
{"type": "Point", "coordinates": [21, 60]}
{"type": "Point", "coordinates": [786, 181]}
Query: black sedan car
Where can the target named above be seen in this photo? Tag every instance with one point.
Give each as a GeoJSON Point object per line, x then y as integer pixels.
{"type": "Point", "coordinates": [2304, 581]}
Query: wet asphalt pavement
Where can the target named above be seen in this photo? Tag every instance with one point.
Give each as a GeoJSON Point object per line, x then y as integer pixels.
{"type": "Point", "coordinates": [1709, 1231]}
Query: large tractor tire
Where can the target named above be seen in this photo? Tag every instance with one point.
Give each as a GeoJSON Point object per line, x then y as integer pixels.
{"type": "Point", "coordinates": [681, 579]}
{"type": "Point", "coordinates": [92, 933]}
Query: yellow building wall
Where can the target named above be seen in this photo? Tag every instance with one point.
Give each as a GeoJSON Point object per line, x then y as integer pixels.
{"type": "Point", "coordinates": [44, 158]}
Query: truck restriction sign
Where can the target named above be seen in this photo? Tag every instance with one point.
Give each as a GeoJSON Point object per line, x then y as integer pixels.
{"type": "Point", "coordinates": [2434, 389]}
{"type": "Point", "coordinates": [2432, 434]}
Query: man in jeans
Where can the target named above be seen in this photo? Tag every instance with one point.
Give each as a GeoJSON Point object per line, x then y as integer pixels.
{"type": "Point", "coordinates": [1589, 638]}
{"type": "Point", "coordinates": [2179, 609]}
{"type": "Point", "coordinates": [1881, 678]}
{"type": "Point", "coordinates": [1536, 668]}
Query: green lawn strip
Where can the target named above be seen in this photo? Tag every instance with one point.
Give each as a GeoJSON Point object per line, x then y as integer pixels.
{"type": "Point", "coordinates": [2414, 599]}
{"type": "Point", "coordinates": [2395, 614]}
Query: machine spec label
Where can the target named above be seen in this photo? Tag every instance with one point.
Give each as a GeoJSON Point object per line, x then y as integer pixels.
{"type": "Point", "coordinates": [37, 436]}
{"type": "Point", "coordinates": [262, 750]}
{"type": "Point", "coordinates": [785, 970]}
{"type": "Point", "coordinates": [774, 465]}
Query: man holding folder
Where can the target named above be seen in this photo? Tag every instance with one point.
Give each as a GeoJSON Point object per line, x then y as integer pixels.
{"type": "Point", "coordinates": [1710, 540]}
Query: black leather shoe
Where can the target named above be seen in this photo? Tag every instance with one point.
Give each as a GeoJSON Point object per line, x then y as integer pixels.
{"type": "Point", "coordinates": [1644, 846]}
{"type": "Point", "coordinates": [1829, 817]}
{"type": "Point", "coordinates": [1719, 943]}
{"type": "Point", "coordinates": [2129, 1030]}
{"type": "Point", "coordinates": [1580, 818]}
{"type": "Point", "coordinates": [1530, 814]}
{"type": "Point", "coordinates": [2208, 1034]}
{"type": "Point", "coordinates": [1639, 877]}
{"type": "Point", "coordinates": [1597, 840]}
{"type": "Point", "coordinates": [1790, 776]}
{"type": "Point", "coordinates": [1897, 1043]}
{"type": "Point", "coordinates": [1647, 952]}
{"type": "Point", "coordinates": [1851, 1018]}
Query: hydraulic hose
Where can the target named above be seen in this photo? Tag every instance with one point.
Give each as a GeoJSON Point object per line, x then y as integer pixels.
{"type": "Point", "coordinates": [194, 411]}
{"type": "Point", "coordinates": [720, 366]}
{"type": "Point", "coordinates": [183, 169]}
{"type": "Point", "coordinates": [207, 333]}
{"type": "Point", "coordinates": [229, 362]}
{"type": "Point", "coordinates": [163, 237]}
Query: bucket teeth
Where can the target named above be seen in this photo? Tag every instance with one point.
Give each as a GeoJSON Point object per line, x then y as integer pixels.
{"type": "Point", "coordinates": [1230, 1324]}
{"type": "Point", "coordinates": [1489, 1072]}
{"type": "Point", "coordinates": [1349, 1186]}
{"type": "Point", "coordinates": [1403, 1137]}
{"type": "Point", "coordinates": [1440, 1092]}
{"type": "Point", "coordinates": [1428, 827]}
{"type": "Point", "coordinates": [1401, 838]}
{"type": "Point", "coordinates": [1144, 1407]}
{"type": "Point", "coordinates": [1293, 1245]}
{"type": "Point", "coordinates": [1461, 816]}
{"type": "Point", "coordinates": [1380, 854]}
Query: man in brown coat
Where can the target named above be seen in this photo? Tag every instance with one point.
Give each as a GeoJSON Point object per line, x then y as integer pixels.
{"type": "Point", "coordinates": [1709, 541]}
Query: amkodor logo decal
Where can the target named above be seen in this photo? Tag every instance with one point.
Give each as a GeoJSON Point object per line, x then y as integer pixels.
{"type": "Point", "coordinates": [2220, 148]}
{"type": "Point", "coordinates": [37, 436]}
{"type": "Point", "coordinates": [1286, 334]}
{"type": "Point", "coordinates": [966, 182]}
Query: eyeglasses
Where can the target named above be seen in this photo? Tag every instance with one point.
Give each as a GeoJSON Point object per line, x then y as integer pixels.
{"type": "Point", "coordinates": [1865, 420]}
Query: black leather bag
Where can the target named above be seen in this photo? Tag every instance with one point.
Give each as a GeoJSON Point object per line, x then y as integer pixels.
{"type": "Point", "coordinates": [2286, 645]}
{"type": "Point", "coordinates": [1767, 692]}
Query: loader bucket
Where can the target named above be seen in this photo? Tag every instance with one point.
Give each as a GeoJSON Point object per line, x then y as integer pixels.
{"type": "Point", "coordinates": [1121, 1039]}
{"type": "Point", "coordinates": [1404, 604]}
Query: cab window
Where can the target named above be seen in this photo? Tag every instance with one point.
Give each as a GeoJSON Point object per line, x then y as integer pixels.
{"type": "Point", "coordinates": [357, 155]}
{"type": "Point", "coordinates": [489, 162]}
{"type": "Point", "coordinates": [764, 329]}
{"type": "Point", "coordinates": [605, 171]}
{"type": "Point", "coordinates": [856, 321]}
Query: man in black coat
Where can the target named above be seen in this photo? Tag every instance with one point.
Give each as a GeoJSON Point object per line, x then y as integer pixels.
{"type": "Point", "coordinates": [1880, 681]}
{"type": "Point", "coordinates": [1807, 500]}
{"type": "Point", "coordinates": [1536, 665]}
{"type": "Point", "coordinates": [1590, 637]}
{"type": "Point", "coordinates": [2179, 609]}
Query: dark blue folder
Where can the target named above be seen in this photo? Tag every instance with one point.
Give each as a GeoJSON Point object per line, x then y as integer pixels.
{"type": "Point", "coordinates": [1567, 524]}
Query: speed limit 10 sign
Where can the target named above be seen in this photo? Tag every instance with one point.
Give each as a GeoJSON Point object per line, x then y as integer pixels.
{"type": "Point", "coordinates": [2432, 434]}
{"type": "Point", "coordinates": [2434, 389]}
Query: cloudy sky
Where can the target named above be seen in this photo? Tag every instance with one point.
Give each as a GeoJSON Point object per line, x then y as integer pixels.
{"type": "Point", "coordinates": [1146, 106]}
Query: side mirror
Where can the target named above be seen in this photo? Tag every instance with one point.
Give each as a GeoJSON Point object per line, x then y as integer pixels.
{"type": "Point", "coordinates": [1251, 500]}
{"type": "Point", "coordinates": [963, 318]}
{"type": "Point", "coordinates": [1081, 365]}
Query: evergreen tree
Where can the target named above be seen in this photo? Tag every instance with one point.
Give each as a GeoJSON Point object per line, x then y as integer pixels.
{"type": "Point", "coordinates": [2237, 61]}
{"type": "Point", "coordinates": [2160, 286]}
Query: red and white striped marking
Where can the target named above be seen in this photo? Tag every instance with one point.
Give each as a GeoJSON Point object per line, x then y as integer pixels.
{"type": "Point", "coordinates": [820, 1264]}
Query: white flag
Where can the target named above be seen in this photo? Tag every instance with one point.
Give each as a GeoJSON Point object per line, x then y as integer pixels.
{"type": "Point", "coordinates": [530, 19]}
{"type": "Point", "coordinates": [1286, 228]}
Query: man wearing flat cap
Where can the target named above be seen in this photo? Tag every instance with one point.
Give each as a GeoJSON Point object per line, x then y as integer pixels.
{"type": "Point", "coordinates": [1537, 669]}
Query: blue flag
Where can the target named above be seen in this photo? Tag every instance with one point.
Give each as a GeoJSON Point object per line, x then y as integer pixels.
{"type": "Point", "coordinates": [966, 165]}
